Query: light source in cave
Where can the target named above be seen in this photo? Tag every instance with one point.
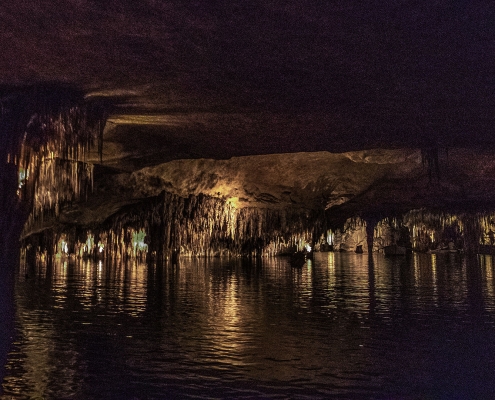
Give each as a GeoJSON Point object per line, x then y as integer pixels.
{"type": "Point", "coordinates": [330, 237]}
{"type": "Point", "coordinates": [62, 247]}
{"type": "Point", "coordinates": [23, 177]}
{"type": "Point", "coordinates": [139, 247]}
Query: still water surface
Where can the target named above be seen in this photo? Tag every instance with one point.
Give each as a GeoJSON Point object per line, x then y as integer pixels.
{"type": "Point", "coordinates": [340, 327]}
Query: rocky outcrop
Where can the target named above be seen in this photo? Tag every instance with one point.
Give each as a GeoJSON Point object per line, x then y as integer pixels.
{"type": "Point", "coordinates": [305, 180]}
{"type": "Point", "coordinates": [367, 183]}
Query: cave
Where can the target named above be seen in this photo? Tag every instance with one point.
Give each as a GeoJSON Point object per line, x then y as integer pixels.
{"type": "Point", "coordinates": [168, 131]}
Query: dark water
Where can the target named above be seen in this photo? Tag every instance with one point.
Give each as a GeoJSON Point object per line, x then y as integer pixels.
{"type": "Point", "coordinates": [421, 328]}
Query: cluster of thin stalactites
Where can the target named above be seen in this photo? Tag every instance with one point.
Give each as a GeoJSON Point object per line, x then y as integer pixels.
{"type": "Point", "coordinates": [49, 147]}
{"type": "Point", "coordinates": [169, 224]}
{"type": "Point", "coordinates": [51, 154]}
{"type": "Point", "coordinates": [203, 226]}
{"type": "Point", "coordinates": [421, 231]}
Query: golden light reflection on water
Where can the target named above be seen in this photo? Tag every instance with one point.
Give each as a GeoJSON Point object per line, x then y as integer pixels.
{"type": "Point", "coordinates": [427, 279]}
{"type": "Point", "coordinates": [231, 321]}
{"type": "Point", "coordinates": [95, 289]}
{"type": "Point", "coordinates": [330, 274]}
{"type": "Point", "coordinates": [489, 275]}
{"type": "Point", "coordinates": [360, 281]}
{"type": "Point", "coordinates": [303, 284]}
{"type": "Point", "coordinates": [268, 321]}
{"type": "Point", "coordinates": [487, 270]}
{"type": "Point", "coordinates": [134, 288]}
{"type": "Point", "coordinates": [38, 345]}
{"type": "Point", "coordinates": [84, 269]}
{"type": "Point", "coordinates": [416, 269]}
{"type": "Point", "coordinates": [128, 283]}
{"type": "Point", "coordinates": [37, 334]}
{"type": "Point", "coordinates": [434, 278]}
{"type": "Point", "coordinates": [228, 322]}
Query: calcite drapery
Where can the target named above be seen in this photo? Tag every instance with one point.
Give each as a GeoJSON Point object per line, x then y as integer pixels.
{"type": "Point", "coordinates": [201, 225]}
{"type": "Point", "coordinates": [51, 131]}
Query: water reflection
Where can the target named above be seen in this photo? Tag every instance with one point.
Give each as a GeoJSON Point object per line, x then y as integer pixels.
{"type": "Point", "coordinates": [488, 280]}
{"type": "Point", "coordinates": [344, 325]}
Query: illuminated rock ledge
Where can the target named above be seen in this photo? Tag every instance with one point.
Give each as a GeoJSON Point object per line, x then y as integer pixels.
{"type": "Point", "coordinates": [271, 204]}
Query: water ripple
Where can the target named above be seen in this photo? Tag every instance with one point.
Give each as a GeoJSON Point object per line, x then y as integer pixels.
{"type": "Point", "coordinates": [340, 327]}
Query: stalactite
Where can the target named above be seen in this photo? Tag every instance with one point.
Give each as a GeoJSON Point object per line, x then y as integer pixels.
{"type": "Point", "coordinates": [51, 130]}
{"type": "Point", "coordinates": [370, 232]}
{"type": "Point", "coordinates": [168, 225]}
{"type": "Point", "coordinates": [200, 226]}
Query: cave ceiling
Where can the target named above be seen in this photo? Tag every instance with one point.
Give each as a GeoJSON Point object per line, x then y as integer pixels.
{"type": "Point", "coordinates": [222, 79]}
